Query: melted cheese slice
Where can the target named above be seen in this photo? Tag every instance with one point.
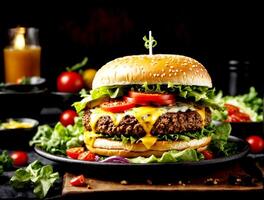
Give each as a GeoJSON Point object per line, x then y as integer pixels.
{"type": "Point", "coordinates": [202, 114]}
{"type": "Point", "coordinates": [147, 116]}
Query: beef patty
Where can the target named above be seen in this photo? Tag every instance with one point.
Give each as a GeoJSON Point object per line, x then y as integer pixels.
{"type": "Point", "coordinates": [168, 123]}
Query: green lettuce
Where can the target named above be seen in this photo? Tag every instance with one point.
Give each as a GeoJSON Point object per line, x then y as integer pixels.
{"type": "Point", "coordinates": [220, 137]}
{"type": "Point", "coordinates": [200, 94]}
{"type": "Point", "coordinates": [40, 176]}
{"type": "Point", "coordinates": [170, 156]}
{"type": "Point", "coordinates": [58, 139]}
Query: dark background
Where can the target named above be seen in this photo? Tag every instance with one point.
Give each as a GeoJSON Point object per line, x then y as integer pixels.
{"type": "Point", "coordinates": [103, 30]}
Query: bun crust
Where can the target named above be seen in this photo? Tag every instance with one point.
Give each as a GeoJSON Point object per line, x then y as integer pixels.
{"type": "Point", "coordinates": [107, 147]}
{"type": "Point", "coordinates": [153, 69]}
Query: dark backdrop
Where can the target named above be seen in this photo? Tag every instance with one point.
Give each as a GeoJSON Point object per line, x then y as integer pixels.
{"type": "Point", "coordinates": [103, 30]}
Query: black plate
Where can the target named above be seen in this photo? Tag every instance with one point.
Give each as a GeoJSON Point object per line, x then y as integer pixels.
{"type": "Point", "coordinates": [18, 137]}
{"type": "Point", "coordinates": [149, 168]}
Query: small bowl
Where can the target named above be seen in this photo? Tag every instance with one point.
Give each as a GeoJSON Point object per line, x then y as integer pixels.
{"type": "Point", "coordinates": [35, 83]}
{"type": "Point", "coordinates": [17, 137]}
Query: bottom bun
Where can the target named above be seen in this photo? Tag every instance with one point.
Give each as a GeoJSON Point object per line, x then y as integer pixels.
{"type": "Point", "coordinates": [107, 147]}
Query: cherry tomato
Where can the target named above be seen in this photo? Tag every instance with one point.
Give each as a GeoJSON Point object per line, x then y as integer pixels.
{"type": "Point", "coordinates": [87, 155]}
{"type": "Point", "coordinates": [74, 152]}
{"type": "Point", "coordinates": [67, 117]}
{"type": "Point", "coordinates": [70, 82]}
{"type": "Point", "coordinates": [149, 98]}
{"type": "Point", "coordinates": [117, 106]}
{"type": "Point", "coordinates": [78, 181]}
{"type": "Point", "coordinates": [208, 155]}
{"type": "Point", "coordinates": [231, 109]}
{"type": "Point", "coordinates": [256, 143]}
{"type": "Point", "coordinates": [20, 158]}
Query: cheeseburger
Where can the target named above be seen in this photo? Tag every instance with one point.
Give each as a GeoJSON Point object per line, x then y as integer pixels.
{"type": "Point", "coordinates": [147, 105]}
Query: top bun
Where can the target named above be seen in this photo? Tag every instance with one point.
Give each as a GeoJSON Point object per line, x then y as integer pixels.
{"type": "Point", "coordinates": [153, 69]}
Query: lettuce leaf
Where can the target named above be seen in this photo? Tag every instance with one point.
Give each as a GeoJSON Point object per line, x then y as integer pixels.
{"type": "Point", "coordinates": [56, 140]}
{"type": "Point", "coordinates": [199, 94]}
{"type": "Point", "coordinates": [220, 137]}
{"type": "Point", "coordinates": [171, 156]}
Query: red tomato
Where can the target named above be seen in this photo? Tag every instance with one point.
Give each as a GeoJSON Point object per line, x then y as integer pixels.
{"type": "Point", "coordinates": [208, 155]}
{"type": "Point", "coordinates": [78, 181]}
{"type": "Point", "coordinates": [74, 152]}
{"type": "Point", "coordinates": [231, 109]}
{"type": "Point", "coordinates": [256, 143]}
{"type": "Point", "coordinates": [20, 158]}
{"type": "Point", "coordinates": [238, 117]}
{"type": "Point", "coordinates": [243, 117]}
{"type": "Point", "coordinates": [145, 103]}
{"type": "Point", "coordinates": [148, 98]}
{"type": "Point", "coordinates": [70, 82]}
{"type": "Point", "coordinates": [87, 155]}
{"type": "Point", "coordinates": [67, 117]}
{"type": "Point", "coordinates": [117, 106]}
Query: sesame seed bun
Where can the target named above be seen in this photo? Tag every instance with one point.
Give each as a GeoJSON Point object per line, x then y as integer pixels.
{"type": "Point", "coordinates": [153, 69]}
{"type": "Point", "coordinates": [107, 147]}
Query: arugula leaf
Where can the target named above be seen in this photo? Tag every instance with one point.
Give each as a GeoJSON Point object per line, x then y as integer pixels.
{"type": "Point", "coordinates": [37, 175]}
{"type": "Point", "coordinates": [59, 139]}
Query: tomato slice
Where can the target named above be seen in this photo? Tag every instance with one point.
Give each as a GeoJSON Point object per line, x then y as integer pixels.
{"type": "Point", "coordinates": [117, 106]}
{"type": "Point", "coordinates": [145, 103]}
{"type": "Point", "coordinates": [231, 109]}
{"type": "Point", "coordinates": [208, 155]}
{"type": "Point", "coordinates": [74, 152]}
{"type": "Point", "coordinates": [78, 181]}
{"type": "Point", "coordinates": [87, 155]}
{"type": "Point", "coordinates": [151, 98]}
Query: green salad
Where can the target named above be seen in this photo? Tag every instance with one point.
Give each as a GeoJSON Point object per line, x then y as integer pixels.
{"type": "Point", "coordinates": [250, 104]}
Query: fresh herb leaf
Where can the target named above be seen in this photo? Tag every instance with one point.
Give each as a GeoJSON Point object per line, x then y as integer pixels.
{"type": "Point", "coordinates": [37, 175]}
{"type": "Point", "coordinates": [5, 161]}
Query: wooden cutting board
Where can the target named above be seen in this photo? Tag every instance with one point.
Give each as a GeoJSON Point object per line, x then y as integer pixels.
{"type": "Point", "coordinates": [232, 178]}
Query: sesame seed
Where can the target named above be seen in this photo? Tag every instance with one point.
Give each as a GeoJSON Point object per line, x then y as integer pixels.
{"type": "Point", "coordinates": [123, 182]}
{"type": "Point", "coordinates": [149, 181]}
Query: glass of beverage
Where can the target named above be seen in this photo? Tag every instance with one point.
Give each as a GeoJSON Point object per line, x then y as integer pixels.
{"type": "Point", "coordinates": [22, 55]}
